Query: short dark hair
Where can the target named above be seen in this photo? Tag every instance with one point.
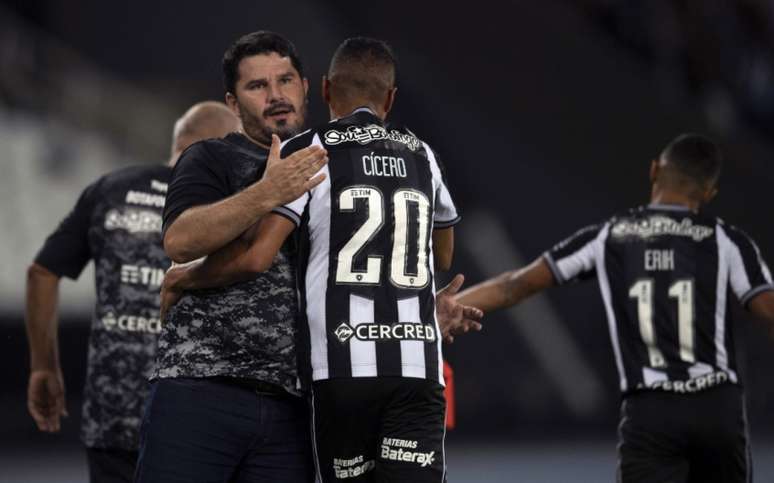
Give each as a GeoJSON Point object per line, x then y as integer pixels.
{"type": "Point", "coordinates": [256, 43]}
{"type": "Point", "coordinates": [694, 157]}
{"type": "Point", "coordinates": [363, 67]}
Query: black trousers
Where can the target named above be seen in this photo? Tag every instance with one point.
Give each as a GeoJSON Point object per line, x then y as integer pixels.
{"type": "Point", "coordinates": [382, 430]}
{"type": "Point", "coordinates": [684, 438]}
{"type": "Point", "coordinates": [111, 465]}
{"type": "Point", "coordinates": [214, 431]}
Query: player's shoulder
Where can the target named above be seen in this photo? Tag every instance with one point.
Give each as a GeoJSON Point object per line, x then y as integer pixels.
{"type": "Point", "coordinates": [301, 140]}
{"type": "Point", "coordinates": [131, 175]}
{"type": "Point", "coordinates": [736, 234]}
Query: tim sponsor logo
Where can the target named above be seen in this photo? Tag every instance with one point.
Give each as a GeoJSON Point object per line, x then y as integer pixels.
{"type": "Point", "coordinates": [380, 332]}
{"type": "Point", "coordinates": [136, 275]}
{"type": "Point", "coordinates": [131, 323]}
{"type": "Point", "coordinates": [395, 449]}
{"type": "Point", "coordinates": [352, 467]}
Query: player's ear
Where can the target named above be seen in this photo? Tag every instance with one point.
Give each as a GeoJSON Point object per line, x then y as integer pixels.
{"type": "Point", "coordinates": [389, 100]}
{"type": "Point", "coordinates": [654, 167]}
{"type": "Point", "coordinates": [231, 102]}
{"type": "Point", "coordinates": [710, 193]}
{"type": "Point", "coordinates": [305, 81]}
{"type": "Point", "coordinates": [326, 90]}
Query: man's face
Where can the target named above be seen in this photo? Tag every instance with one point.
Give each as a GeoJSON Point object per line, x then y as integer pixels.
{"type": "Point", "coordinates": [270, 97]}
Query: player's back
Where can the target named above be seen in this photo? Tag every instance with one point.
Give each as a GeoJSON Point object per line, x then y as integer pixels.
{"type": "Point", "coordinates": [666, 275]}
{"type": "Point", "coordinates": [369, 290]}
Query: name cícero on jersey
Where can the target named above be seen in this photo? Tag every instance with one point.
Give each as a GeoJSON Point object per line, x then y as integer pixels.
{"type": "Point", "coordinates": [387, 166]}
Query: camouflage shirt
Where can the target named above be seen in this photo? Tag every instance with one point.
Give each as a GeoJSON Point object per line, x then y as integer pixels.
{"type": "Point", "coordinates": [246, 330]}
{"type": "Point", "coordinates": [117, 223]}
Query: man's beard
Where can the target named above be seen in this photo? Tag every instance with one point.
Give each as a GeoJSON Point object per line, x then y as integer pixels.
{"type": "Point", "coordinates": [257, 128]}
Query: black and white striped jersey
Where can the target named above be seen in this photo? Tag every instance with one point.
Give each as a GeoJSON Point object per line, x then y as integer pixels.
{"type": "Point", "coordinates": [666, 275]}
{"type": "Point", "coordinates": [367, 284]}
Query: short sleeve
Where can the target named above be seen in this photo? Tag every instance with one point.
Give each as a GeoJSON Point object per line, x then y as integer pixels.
{"type": "Point", "coordinates": [445, 214]}
{"type": "Point", "coordinates": [748, 273]}
{"type": "Point", "coordinates": [294, 210]}
{"type": "Point", "coordinates": [199, 178]}
{"type": "Point", "coordinates": [66, 251]}
{"type": "Point", "coordinates": [575, 257]}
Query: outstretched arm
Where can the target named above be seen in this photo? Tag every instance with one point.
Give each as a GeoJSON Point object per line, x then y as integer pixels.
{"type": "Point", "coordinates": [45, 393]}
{"type": "Point", "coordinates": [509, 288]}
{"type": "Point", "coordinates": [762, 306]}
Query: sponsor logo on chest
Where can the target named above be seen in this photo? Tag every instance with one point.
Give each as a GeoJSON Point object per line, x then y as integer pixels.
{"type": "Point", "coordinates": [372, 332]}
{"type": "Point", "coordinates": [151, 277]}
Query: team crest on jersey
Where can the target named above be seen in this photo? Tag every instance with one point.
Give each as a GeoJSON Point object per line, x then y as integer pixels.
{"type": "Point", "coordinates": [660, 225]}
{"type": "Point", "coordinates": [370, 133]}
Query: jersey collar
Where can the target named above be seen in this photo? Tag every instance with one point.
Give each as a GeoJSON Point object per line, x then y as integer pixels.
{"type": "Point", "coordinates": [668, 207]}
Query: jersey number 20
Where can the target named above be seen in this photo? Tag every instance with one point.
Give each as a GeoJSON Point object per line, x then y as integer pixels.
{"type": "Point", "coordinates": [401, 274]}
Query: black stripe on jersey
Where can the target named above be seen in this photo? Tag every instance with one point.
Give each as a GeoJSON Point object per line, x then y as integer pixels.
{"type": "Point", "coordinates": [427, 312]}
{"type": "Point", "coordinates": [388, 353]}
{"type": "Point", "coordinates": [337, 313]}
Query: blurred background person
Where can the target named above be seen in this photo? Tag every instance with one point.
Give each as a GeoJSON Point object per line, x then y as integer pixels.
{"type": "Point", "coordinates": [117, 224]}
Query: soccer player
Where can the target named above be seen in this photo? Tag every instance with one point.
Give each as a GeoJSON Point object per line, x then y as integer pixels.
{"type": "Point", "coordinates": [666, 272]}
{"type": "Point", "coordinates": [117, 223]}
{"type": "Point", "coordinates": [371, 234]}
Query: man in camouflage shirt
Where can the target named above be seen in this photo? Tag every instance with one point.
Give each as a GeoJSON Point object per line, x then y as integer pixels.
{"type": "Point", "coordinates": [224, 404]}
{"type": "Point", "coordinates": [117, 223]}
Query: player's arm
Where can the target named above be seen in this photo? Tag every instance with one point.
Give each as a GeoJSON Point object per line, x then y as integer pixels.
{"type": "Point", "coordinates": [762, 306]}
{"type": "Point", "coordinates": [750, 277]}
{"type": "Point", "coordinates": [201, 230]}
{"type": "Point", "coordinates": [65, 253]}
{"type": "Point", "coordinates": [509, 288]}
{"type": "Point", "coordinates": [572, 259]}
{"type": "Point", "coordinates": [443, 248]}
{"type": "Point", "coordinates": [45, 396]}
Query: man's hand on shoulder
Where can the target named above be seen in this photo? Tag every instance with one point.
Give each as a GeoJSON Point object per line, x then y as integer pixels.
{"type": "Point", "coordinates": [289, 178]}
{"type": "Point", "coordinates": [453, 317]}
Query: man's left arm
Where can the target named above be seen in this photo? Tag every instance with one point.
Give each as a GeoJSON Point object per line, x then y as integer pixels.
{"type": "Point", "coordinates": [240, 260]}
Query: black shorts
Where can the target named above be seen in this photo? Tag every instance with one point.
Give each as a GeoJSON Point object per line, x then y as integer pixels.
{"type": "Point", "coordinates": [388, 429]}
{"type": "Point", "coordinates": [684, 438]}
{"type": "Point", "coordinates": [111, 465]}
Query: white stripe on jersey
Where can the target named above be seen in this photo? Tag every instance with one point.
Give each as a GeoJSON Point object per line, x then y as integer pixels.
{"type": "Point", "coordinates": [730, 266]}
{"type": "Point", "coordinates": [604, 286]}
{"type": "Point", "coordinates": [445, 213]}
{"type": "Point", "coordinates": [317, 273]}
{"type": "Point", "coordinates": [581, 261]}
{"type": "Point", "coordinates": [362, 353]}
{"type": "Point", "coordinates": [412, 352]}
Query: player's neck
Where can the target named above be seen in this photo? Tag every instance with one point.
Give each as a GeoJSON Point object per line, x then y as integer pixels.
{"type": "Point", "coordinates": [345, 109]}
{"type": "Point", "coordinates": [667, 197]}
{"type": "Point", "coordinates": [259, 143]}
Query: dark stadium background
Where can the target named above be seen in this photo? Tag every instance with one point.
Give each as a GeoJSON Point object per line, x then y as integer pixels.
{"type": "Point", "coordinates": [545, 113]}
